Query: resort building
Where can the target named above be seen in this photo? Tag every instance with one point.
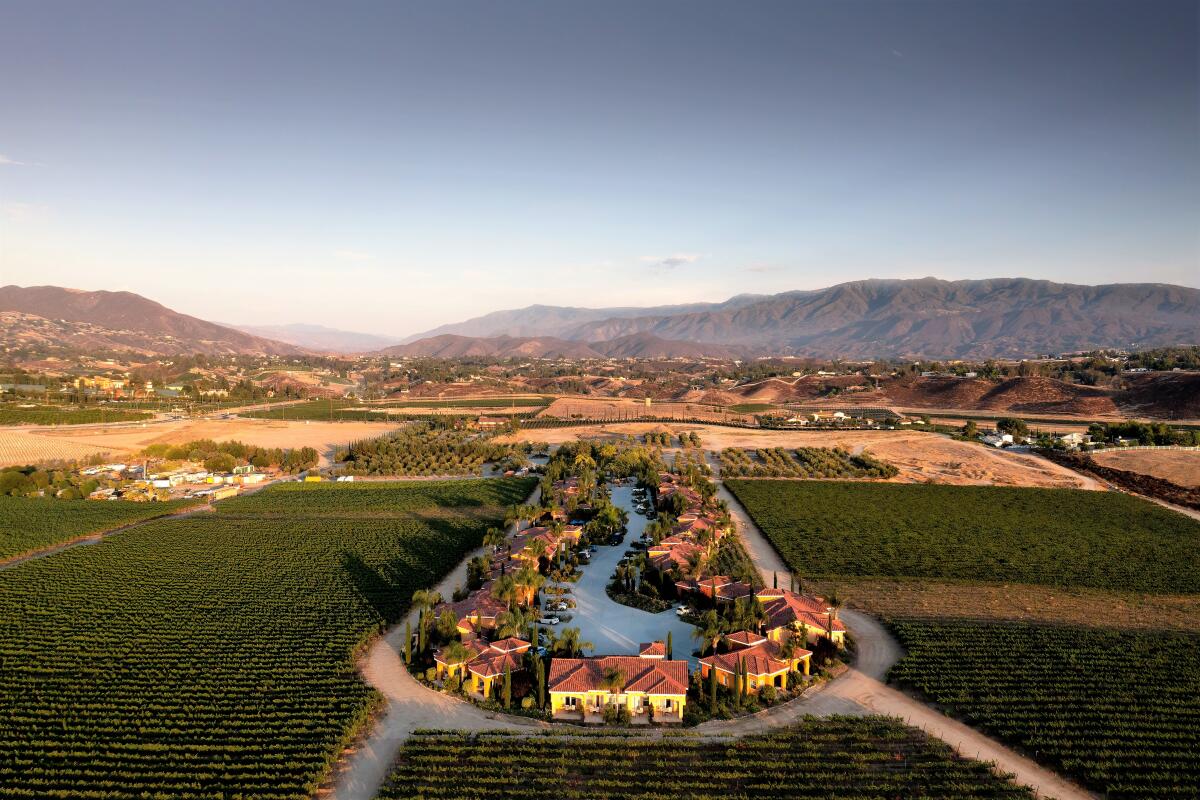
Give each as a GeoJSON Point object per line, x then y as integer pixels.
{"type": "Point", "coordinates": [789, 612]}
{"type": "Point", "coordinates": [646, 684]}
{"type": "Point", "coordinates": [484, 662]}
{"type": "Point", "coordinates": [762, 661]}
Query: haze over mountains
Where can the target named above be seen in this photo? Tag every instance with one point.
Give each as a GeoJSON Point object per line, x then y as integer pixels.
{"type": "Point", "coordinates": [863, 319]}
{"type": "Point", "coordinates": [1013, 317]}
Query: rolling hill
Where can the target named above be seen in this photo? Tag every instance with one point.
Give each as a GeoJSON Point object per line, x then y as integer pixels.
{"type": "Point", "coordinates": [61, 318]}
{"type": "Point", "coordinates": [637, 345]}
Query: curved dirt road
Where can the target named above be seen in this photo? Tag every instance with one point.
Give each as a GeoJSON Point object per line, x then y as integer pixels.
{"type": "Point", "coordinates": [860, 690]}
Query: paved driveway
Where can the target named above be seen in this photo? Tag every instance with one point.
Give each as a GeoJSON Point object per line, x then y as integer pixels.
{"type": "Point", "coordinates": [615, 629]}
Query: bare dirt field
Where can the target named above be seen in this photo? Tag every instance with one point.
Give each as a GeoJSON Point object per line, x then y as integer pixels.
{"type": "Point", "coordinates": [29, 445]}
{"type": "Point", "coordinates": [1181, 467]}
{"type": "Point", "coordinates": [920, 457]}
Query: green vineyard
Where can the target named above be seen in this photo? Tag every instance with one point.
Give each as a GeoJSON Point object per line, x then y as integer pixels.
{"type": "Point", "coordinates": [1059, 537]}
{"type": "Point", "coordinates": [13, 414]}
{"type": "Point", "coordinates": [208, 657]}
{"type": "Point", "coordinates": [1118, 710]}
{"type": "Point", "coordinates": [803, 462]}
{"type": "Point", "coordinates": [33, 523]}
{"type": "Point", "coordinates": [838, 757]}
{"type": "Point", "coordinates": [372, 498]}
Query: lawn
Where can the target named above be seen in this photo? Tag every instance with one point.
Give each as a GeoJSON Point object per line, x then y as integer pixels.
{"type": "Point", "coordinates": [1119, 711]}
{"type": "Point", "coordinates": [1057, 537]}
{"type": "Point", "coordinates": [208, 657]}
{"type": "Point", "coordinates": [839, 757]}
{"type": "Point", "coordinates": [33, 523]}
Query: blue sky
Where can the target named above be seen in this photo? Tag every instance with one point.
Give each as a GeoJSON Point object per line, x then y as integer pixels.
{"type": "Point", "coordinates": [392, 166]}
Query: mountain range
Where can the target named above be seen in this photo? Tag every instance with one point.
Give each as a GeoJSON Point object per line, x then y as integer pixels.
{"type": "Point", "coordinates": [929, 318]}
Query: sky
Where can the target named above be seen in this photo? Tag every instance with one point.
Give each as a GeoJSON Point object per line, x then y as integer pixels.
{"type": "Point", "coordinates": [388, 167]}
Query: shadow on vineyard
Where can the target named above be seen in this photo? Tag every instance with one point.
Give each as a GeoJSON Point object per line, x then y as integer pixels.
{"type": "Point", "coordinates": [863, 757]}
{"type": "Point", "coordinates": [1116, 709]}
{"type": "Point", "coordinates": [210, 657]}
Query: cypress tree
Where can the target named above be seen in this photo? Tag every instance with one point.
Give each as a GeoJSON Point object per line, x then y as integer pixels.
{"type": "Point", "coordinates": [670, 647]}
{"type": "Point", "coordinates": [507, 687]}
{"type": "Point", "coordinates": [407, 642]}
{"type": "Point", "coordinates": [541, 683]}
{"type": "Point", "coordinates": [421, 633]}
{"type": "Point", "coordinates": [712, 687]}
{"type": "Point", "coordinates": [737, 685]}
{"type": "Point", "coordinates": [774, 580]}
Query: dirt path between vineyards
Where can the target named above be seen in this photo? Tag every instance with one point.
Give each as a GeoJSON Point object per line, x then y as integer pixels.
{"type": "Point", "coordinates": [860, 690]}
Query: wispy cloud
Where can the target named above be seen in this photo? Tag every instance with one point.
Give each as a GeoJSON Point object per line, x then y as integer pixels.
{"type": "Point", "coordinates": [353, 255]}
{"type": "Point", "coordinates": [5, 161]}
{"type": "Point", "coordinates": [672, 261]}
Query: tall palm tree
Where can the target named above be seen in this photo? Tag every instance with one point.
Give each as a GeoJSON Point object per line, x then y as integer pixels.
{"type": "Point", "coordinates": [709, 629]}
{"type": "Point", "coordinates": [425, 598]}
{"type": "Point", "coordinates": [612, 680]}
{"type": "Point", "coordinates": [493, 538]}
{"type": "Point", "coordinates": [833, 604]}
{"type": "Point", "coordinates": [527, 581]}
{"type": "Point", "coordinates": [569, 644]}
{"type": "Point", "coordinates": [513, 622]}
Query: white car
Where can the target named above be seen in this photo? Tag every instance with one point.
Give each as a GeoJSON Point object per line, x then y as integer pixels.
{"type": "Point", "coordinates": [682, 611]}
{"type": "Point", "coordinates": [548, 621]}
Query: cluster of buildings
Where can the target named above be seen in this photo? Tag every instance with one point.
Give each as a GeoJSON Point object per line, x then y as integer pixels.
{"type": "Point", "coordinates": [696, 531]}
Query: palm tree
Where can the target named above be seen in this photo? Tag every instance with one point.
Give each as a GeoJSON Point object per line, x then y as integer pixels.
{"type": "Point", "coordinates": [709, 629]}
{"type": "Point", "coordinates": [456, 653]}
{"type": "Point", "coordinates": [833, 604]}
{"type": "Point", "coordinates": [425, 599]}
{"type": "Point", "coordinates": [493, 538]}
{"type": "Point", "coordinates": [513, 622]}
{"type": "Point", "coordinates": [612, 680]}
{"type": "Point", "coordinates": [568, 643]}
{"type": "Point", "coordinates": [527, 582]}
{"type": "Point", "coordinates": [504, 589]}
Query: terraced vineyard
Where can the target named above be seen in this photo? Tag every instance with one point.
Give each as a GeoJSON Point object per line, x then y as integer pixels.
{"type": "Point", "coordinates": [207, 657]}
{"type": "Point", "coordinates": [839, 757]}
{"type": "Point", "coordinates": [33, 523]}
{"type": "Point", "coordinates": [1118, 710]}
{"type": "Point", "coordinates": [1059, 537]}
{"type": "Point", "coordinates": [804, 462]}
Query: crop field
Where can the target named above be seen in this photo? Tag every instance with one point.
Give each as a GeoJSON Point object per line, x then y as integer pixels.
{"type": "Point", "coordinates": [1120, 711]}
{"type": "Point", "coordinates": [374, 498]}
{"type": "Point", "coordinates": [33, 523]}
{"type": "Point", "coordinates": [803, 462]}
{"type": "Point", "coordinates": [424, 449]}
{"type": "Point", "coordinates": [839, 757]}
{"type": "Point", "coordinates": [354, 410]}
{"type": "Point", "coordinates": [1057, 537]}
{"type": "Point", "coordinates": [205, 657]}
{"type": "Point", "coordinates": [11, 414]}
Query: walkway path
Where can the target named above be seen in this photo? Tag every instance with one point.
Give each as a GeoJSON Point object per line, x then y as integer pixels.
{"type": "Point", "coordinates": [860, 690]}
{"type": "Point", "coordinates": [410, 706]}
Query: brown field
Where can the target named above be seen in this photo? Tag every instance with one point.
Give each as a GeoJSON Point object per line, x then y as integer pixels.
{"type": "Point", "coordinates": [22, 446]}
{"type": "Point", "coordinates": [1015, 602]}
{"type": "Point", "coordinates": [1181, 467]}
{"type": "Point", "coordinates": [920, 457]}
{"type": "Point", "coordinates": [618, 409]}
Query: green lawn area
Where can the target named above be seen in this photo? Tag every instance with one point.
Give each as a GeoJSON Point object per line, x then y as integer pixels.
{"type": "Point", "coordinates": [210, 657]}
{"type": "Point", "coordinates": [1058, 537]}
{"type": "Point", "coordinates": [1118, 710]}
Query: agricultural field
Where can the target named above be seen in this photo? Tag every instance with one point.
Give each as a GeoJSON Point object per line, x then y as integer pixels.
{"type": "Point", "coordinates": [973, 533]}
{"type": "Point", "coordinates": [838, 757]}
{"type": "Point", "coordinates": [356, 410]}
{"type": "Point", "coordinates": [424, 449]}
{"type": "Point", "coordinates": [1181, 467]}
{"type": "Point", "coordinates": [920, 457]}
{"type": "Point", "coordinates": [803, 462]}
{"type": "Point", "coordinates": [206, 657]}
{"type": "Point", "coordinates": [28, 524]}
{"type": "Point", "coordinates": [1119, 711]}
{"type": "Point", "coordinates": [376, 498]}
{"type": "Point", "coordinates": [14, 414]}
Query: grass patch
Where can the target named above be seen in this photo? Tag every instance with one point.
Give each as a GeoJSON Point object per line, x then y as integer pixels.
{"type": "Point", "coordinates": [1058, 537]}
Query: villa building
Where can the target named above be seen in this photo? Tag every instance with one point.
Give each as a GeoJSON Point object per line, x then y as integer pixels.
{"type": "Point", "coordinates": [764, 662]}
{"type": "Point", "coordinates": [789, 611]}
{"type": "Point", "coordinates": [645, 684]}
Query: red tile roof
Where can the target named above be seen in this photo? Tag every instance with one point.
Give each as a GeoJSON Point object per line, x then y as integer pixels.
{"type": "Point", "coordinates": [762, 659]}
{"type": "Point", "coordinates": [654, 649]}
{"type": "Point", "coordinates": [649, 675]}
{"type": "Point", "coordinates": [784, 607]}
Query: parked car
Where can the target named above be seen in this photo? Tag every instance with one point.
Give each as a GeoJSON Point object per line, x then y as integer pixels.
{"type": "Point", "coordinates": [541, 651]}
{"type": "Point", "coordinates": [548, 621]}
{"type": "Point", "coordinates": [682, 611]}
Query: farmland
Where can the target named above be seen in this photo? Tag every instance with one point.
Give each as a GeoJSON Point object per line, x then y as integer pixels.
{"type": "Point", "coordinates": [836, 757]}
{"type": "Point", "coordinates": [207, 657]}
{"type": "Point", "coordinates": [375, 498]}
{"type": "Point", "coordinates": [973, 533]}
{"type": "Point", "coordinates": [1118, 710]}
{"type": "Point", "coordinates": [425, 449]}
{"type": "Point", "coordinates": [352, 410]}
{"type": "Point", "coordinates": [12, 414]}
{"type": "Point", "coordinates": [33, 523]}
{"type": "Point", "coordinates": [1180, 467]}
{"type": "Point", "coordinates": [804, 462]}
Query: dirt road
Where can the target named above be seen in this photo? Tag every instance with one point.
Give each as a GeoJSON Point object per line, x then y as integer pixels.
{"type": "Point", "coordinates": [860, 690]}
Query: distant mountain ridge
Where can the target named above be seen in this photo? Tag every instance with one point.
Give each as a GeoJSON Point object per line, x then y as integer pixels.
{"type": "Point", "coordinates": [637, 345]}
{"type": "Point", "coordinates": [927, 317]}
{"type": "Point", "coordinates": [125, 319]}
{"type": "Point", "coordinates": [320, 337]}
